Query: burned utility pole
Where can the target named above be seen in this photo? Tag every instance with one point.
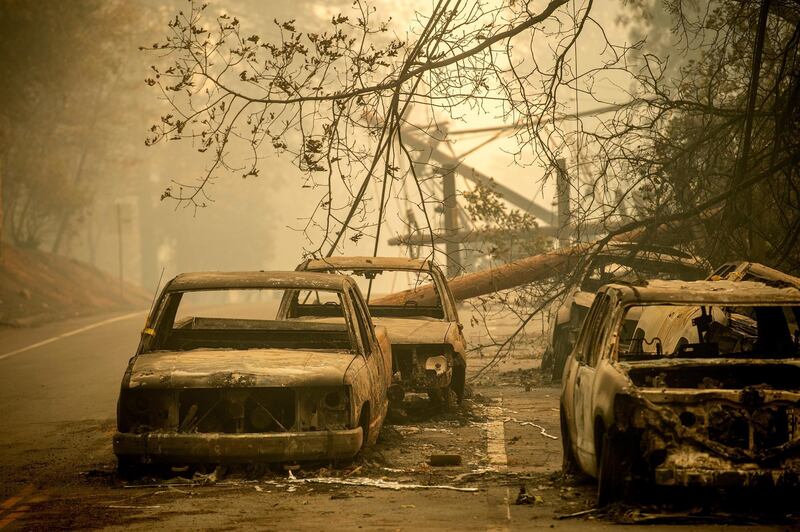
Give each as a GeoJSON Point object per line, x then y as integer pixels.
{"type": "Point", "coordinates": [452, 247]}
{"type": "Point", "coordinates": [563, 203]}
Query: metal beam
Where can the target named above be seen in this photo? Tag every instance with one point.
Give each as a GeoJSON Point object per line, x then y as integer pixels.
{"type": "Point", "coordinates": [450, 163]}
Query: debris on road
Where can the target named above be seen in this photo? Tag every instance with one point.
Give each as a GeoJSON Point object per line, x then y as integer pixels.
{"type": "Point", "coordinates": [378, 483]}
{"type": "Point", "coordinates": [542, 430]}
{"type": "Point", "coordinates": [524, 497]}
{"type": "Point", "coordinates": [169, 483]}
{"type": "Point", "coordinates": [582, 513]}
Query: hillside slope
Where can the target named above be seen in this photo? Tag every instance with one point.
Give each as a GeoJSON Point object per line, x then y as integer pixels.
{"type": "Point", "coordinates": [37, 287]}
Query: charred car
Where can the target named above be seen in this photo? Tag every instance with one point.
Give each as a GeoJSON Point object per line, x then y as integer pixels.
{"type": "Point", "coordinates": [685, 384]}
{"type": "Point", "coordinates": [216, 379]}
{"type": "Point", "coordinates": [618, 262]}
{"type": "Point", "coordinates": [428, 346]}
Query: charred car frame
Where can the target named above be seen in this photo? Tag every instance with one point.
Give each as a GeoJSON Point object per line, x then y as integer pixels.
{"type": "Point", "coordinates": [238, 389]}
{"type": "Point", "coordinates": [685, 384]}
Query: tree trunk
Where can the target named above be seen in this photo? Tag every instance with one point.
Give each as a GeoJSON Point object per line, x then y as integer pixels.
{"type": "Point", "coordinates": [67, 216]}
{"type": "Point", "coordinates": [504, 276]}
{"type": "Point", "coordinates": [515, 273]}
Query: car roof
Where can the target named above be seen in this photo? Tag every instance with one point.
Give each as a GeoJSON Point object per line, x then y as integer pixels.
{"type": "Point", "coordinates": [256, 279]}
{"type": "Point", "coordinates": [697, 292]}
{"type": "Point", "coordinates": [393, 263]}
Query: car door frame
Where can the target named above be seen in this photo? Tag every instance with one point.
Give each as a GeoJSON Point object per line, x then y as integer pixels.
{"type": "Point", "coordinates": [582, 378]}
{"type": "Point", "coordinates": [374, 358]}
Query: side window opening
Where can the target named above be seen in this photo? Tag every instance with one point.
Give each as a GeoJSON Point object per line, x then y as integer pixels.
{"type": "Point", "coordinates": [584, 339]}
{"type": "Point", "coordinates": [362, 324]}
{"type": "Point", "coordinates": [367, 320]}
{"type": "Point", "coordinates": [315, 303]}
{"type": "Point", "coordinates": [597, 332]}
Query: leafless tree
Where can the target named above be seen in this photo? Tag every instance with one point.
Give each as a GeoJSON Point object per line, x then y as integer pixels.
{"type": "Point", "coordinates": [58, 111]}
{"type": "Point", "coordinates": [676, 149]}
{"type": "Point", "coordinates": [338, 101]}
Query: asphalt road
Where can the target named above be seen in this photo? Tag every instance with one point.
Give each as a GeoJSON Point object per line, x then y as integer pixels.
{"type": "Point", "coordinates": [58, 389]}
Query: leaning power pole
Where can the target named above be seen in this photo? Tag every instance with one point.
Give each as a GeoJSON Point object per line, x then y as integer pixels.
{"type": "Point", "coordinates": [452, 248]}
{"type": "Point", "coordinates": [562, 203]}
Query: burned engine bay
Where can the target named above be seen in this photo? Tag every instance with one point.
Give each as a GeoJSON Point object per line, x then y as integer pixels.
{"type": "Point", "coordinates": [714, 395]}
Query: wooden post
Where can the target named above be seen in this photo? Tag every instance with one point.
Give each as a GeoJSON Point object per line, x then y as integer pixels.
{"type": "Point", "coordinates": [563, 203]}
{"type": "Point", "coordinates": [451, 247]}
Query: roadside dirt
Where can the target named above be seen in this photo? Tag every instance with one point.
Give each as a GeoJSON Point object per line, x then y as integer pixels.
{"type": "Point", "coordinates": [38, 287]}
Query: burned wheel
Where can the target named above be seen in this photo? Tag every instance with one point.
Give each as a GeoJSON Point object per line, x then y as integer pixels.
{"type": "Point", "coordinates": [561, 349]}
{"type": "Point", "coordinates": [444, 399]}
{"type": "Point", "coordinates": [611, 473]}
{"type": "Point", "coordinates": [363, 422]}
{"type": "Point", "coordinates": [569, 465]}
{"type": "Point", "coordinates": [129, 468]}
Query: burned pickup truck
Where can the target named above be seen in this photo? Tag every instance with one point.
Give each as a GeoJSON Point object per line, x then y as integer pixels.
{"type": "Point", "coordinates": [216, 380]}
{"type": "Point", "coordinates": [685, 384]}
{"type": "Point", "coordinates": [428, 347]}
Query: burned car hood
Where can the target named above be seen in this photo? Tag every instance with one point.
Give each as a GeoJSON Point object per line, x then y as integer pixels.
{"type": "Point", "coordinates": [224, 368]}
{"type": "Point", "coordinates": [415, 331]}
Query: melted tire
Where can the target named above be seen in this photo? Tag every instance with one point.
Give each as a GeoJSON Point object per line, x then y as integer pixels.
{"type": "Point", "coordinates": [444, 399]}
{"type": "Point", "coordinates": [129, 468]}
{"type": "Point", "coordinates": [561, 349]}
{"type": "Point", "coordinates": [611, 473]}
{"type": "Point", "coordinates": [569, 465]}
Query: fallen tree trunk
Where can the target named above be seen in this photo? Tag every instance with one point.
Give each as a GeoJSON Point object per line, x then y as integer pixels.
{"type": "Point", "coordinates": [515, 273]}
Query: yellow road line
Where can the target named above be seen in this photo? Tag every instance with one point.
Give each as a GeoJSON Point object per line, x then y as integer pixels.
{"type": "Point", "coordinates": [11, 501]}
{"type": "Point", "coordinates": [13, 516]}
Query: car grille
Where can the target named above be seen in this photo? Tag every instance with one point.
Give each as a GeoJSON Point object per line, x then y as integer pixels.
{"type": "Point", "coordinates": [236, 410]}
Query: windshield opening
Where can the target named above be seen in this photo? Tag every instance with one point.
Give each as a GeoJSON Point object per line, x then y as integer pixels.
{"type": "Point", "coordinates": [246, 319]}
{"type": "Point", "coordinates": [709, 331]}
{"type": "Point", "coordinates": [376, 284]}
